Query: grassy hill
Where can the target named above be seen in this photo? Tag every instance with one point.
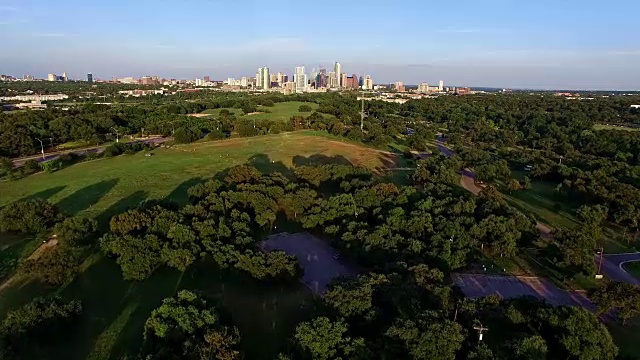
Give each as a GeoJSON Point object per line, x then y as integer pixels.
{"type": "Point", "coordinates": [279, 112]}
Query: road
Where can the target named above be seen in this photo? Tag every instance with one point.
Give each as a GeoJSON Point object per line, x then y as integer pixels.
{"type": "Point", "coordinates": [82, 151]}
{"type": "Point", "coordinates": [612, 267]}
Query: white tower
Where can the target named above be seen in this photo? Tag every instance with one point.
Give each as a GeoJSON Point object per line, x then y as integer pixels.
{"type": "Point", "coordinates": [337, 68]}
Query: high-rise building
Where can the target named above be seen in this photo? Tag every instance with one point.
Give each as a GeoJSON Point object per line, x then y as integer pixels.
{"type": "Point", "coordinates": [367, 83]}
{"type": "Point", "coordinates": [207, 79]}
{"type": "Point", "coordinates": [441, 86]}
{"type": "Point", "coordinates": [51, 77]}
{"type": "Point", "coordinates": [64, 76]}
{"type": "Point", "coordinates": [337, 68]}
{"type": "Point", "coordinates": [266, 79]}
{"type": "Point", "coordinates": [333, 80]}
{"type": "Point", "coordinates": [259, 80]}
{"type": "Point", "coordinates": [313, 79]}
{"type": "Point", "coordinates": [244, 81]}
{"type": "Point", "coordinates": [361, 81]}
{"type": "Point", "coordinates": [273, 78]}
{"type": "Point", "coordinates": [280, 78]}
{"type": "Point", "coordinates": [343, 80]}
{"type": "Point", "coordinates": [423, 88]}
{"type": "Point", "coordinates": [300, 79]}
{"type": "Point", "coordinates": [199, 82]}
{"type": "Point", "coordinates": [322, 78]}
{"type": "Point", "coordinates": [399, 86]}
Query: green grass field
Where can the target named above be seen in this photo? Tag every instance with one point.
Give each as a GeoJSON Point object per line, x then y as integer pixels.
{"type": "Point", "coordinates": [633, 268]}
{"type": "Point", "coordinates": [611, 127]}
{"type": "Point", "coordinates": [279, 112]}
{"type": "Point", "coordinates": [115, 310]}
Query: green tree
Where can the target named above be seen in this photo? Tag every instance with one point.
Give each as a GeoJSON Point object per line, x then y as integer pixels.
{"type": "Point", "coordinates": [29, 216]}
{"type": "Point", "coordinates": [323, 339]}
{"type": "Point", "coordinates": [305, 108]}
{"type": "Point", "coordinates": [187, 326]}
{"type": "Point", "coordinates": [76, 231]}
{"type": "Point", "coordinates": [55, 266]}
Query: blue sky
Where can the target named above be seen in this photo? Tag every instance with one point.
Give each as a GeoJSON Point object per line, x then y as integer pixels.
{"type": "Point", "coordinates": [498, 43]}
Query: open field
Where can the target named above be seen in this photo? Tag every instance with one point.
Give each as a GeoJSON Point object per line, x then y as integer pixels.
{"type": "Point", "coordinates": [279, 112]}
{"type": "Point", "coordinates": [105, 187]}
{"type": "Point", "coordinates": [612, 127]}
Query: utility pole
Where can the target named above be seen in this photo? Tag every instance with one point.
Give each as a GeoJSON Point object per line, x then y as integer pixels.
{"type": "Point", "coordinates": [362, 114]}
{"type": "Point", "coordinates": [600, 262]}
{"type": "Point", "coordinates": [481, 329]}
{"type": "Point", "coordinates": [41, 148]}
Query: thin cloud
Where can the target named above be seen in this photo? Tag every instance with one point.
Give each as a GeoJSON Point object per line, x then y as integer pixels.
{"type": "Point", "coordinates": [458, 31]}
{"type": "Point", "coordinates": [49, 35]}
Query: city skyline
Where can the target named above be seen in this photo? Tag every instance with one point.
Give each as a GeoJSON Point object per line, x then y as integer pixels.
{"type": "Point", "coordinates": [586, 45]}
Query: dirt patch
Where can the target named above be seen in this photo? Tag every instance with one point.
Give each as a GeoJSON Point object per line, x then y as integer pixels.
{"type": "Point", "coordinates": [255, 113]}
{"type": "Point", "coordinates": [44, 247]}
{"type": "Point", "coordinates": [199, 115]}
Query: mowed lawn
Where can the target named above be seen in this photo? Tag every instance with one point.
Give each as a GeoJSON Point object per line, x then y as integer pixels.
{"type": "Point", "coordinates": [278, 112]}
{"type": "Point", "coordinates": [115, 310]}
{"type": "Point", "coordinates": [108, 186]}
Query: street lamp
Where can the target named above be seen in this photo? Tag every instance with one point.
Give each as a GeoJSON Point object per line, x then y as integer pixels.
{"type": "Point", "coordinates": [117, 137]}
{"type": "Point", "coordinates": [41, 148]}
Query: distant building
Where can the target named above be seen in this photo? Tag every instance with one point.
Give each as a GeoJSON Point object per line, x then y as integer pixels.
{"type": "Point", "coordinates": [399, 86]}
{"type": "Point", "coordinates": [51, 77]}
{"type": "Point", "coordinates": [462, 91]}
{"type": "Point", "coordinates": [333, 80]}
{"type": "Point", "coordinates": [199, 82]}
{"type": "Point", "coordinates": [423, 88]}
{"type": "Point", "coordinates": [263, 79]}
{"type": "Point", "coordinates": [244, 82]}
{"type": "Point", "coordinates": [441, 86]}
{"type": "Point", "coordinates": [343, 80]}
{"type": "Point", "coordinates": [207, 79]}
{"type": "Point", "coordinates": [352, 82]}
{"type": "Point", "coordinates": [300, 79]}
{"type": "Point", "coordinates": [90, 78]}
{"type": "Point", "coordinates": [337, 69]}
{"type": "Point", "coordinates": [323, 80]}
{"type": "Point", "coordinates": [367, 83]}
{"type": "Point", "coordinates": [148, 80]}
{"type": "Point", "coordinates": [361, 81]}
{"type": "Point", "coordinates": [273, 78]}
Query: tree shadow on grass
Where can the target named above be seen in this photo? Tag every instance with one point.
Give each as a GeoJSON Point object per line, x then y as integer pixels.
{"type": "Point", "coordinates": [319, 159]}
{"type": "Point", "coordinates": [45, 194]}
{"type": "Point", "coordinates": [122, 205]}
{"type": "Point", "coordinates": [115, 306]}
{"type": "Point", "coordinates": [86, 197]}
{"type": "Point", "coordinates": [179, 195]}
{"type": "Point", "coordinates": [265, 165]}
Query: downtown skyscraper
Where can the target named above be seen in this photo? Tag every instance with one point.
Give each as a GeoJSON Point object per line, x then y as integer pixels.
{"type": "Point", "coordinates": [300, 79]}
{"type": "Point", "coordinates": [263, 80]}
{"type": "Point", "coordinates": [337, 69]}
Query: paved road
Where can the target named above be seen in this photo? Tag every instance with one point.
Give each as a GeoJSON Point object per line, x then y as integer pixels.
{"type": "Point", "coordinates": [508, 287]}
{"type": "Point", "coordinates": [96, 149]}
{"type": "Point", "coordinates": [612, 267]}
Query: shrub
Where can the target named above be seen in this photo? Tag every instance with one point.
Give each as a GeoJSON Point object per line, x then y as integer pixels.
{"type": "Point", "coordinates": [305, 108]}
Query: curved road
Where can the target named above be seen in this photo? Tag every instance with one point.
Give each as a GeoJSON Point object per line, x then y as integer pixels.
{"type": "Point", "coordinates": [612, 267]}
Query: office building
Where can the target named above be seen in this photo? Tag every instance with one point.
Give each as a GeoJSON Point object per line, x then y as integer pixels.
{"type": "Point", "coordinates": [273, 78]}
{"type": "Point", "coordinates": [64, 76]}
{"type": "Point", "coordinates": [337, 68]}
{"type": "Point", "coordinates": [399, 86]}
{"type": "Point", "coordinates": [244, 82]}
{"type": "Point", "coordinates": [199, 82]}
{"type": "Point", "coordinates": [367, 83]}
{"type": "Point", "coordinates": [90, 78]}
{"type": "Point", "coordinates": [361, 81]}
{"type": "Point", "coordinates": [441, 86]}
{"type": "Point", "coordinates": [263, 79]}
{"type": "Point", "coordinates": [322, 78]}
{"type": "Point", "coordinates": [259, 81]}
{"type": "Point", "coordinates": [300, 79]}
{"type": "Point", "coordinates": [343, 80]}
{"type": "Point", "coordinates": [352, 82]}
{"type": "Point", "coordinates": [423, 88]}
{"type": "Point", "coordinates": [207, 79]}
{"type": "Point", "coordinates": [333, 80]}
{"type": "Point", "coordinates": [147, 80]}
{"type": "Point", "coordinates": [51, 77]}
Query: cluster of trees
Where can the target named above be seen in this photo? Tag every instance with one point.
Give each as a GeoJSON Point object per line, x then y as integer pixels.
{"type": "Point", "coordinates": [223, 223]}
{"type": "Point", "coordinates": [39, 218]}
{"type": "Point", "coordinates": [189, 326]}
{"type": "Point", "coordinates": [28, 332]}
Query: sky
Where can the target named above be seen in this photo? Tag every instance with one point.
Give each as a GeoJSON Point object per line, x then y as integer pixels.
{"type": "Point", "coordinates": [542, 44]}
